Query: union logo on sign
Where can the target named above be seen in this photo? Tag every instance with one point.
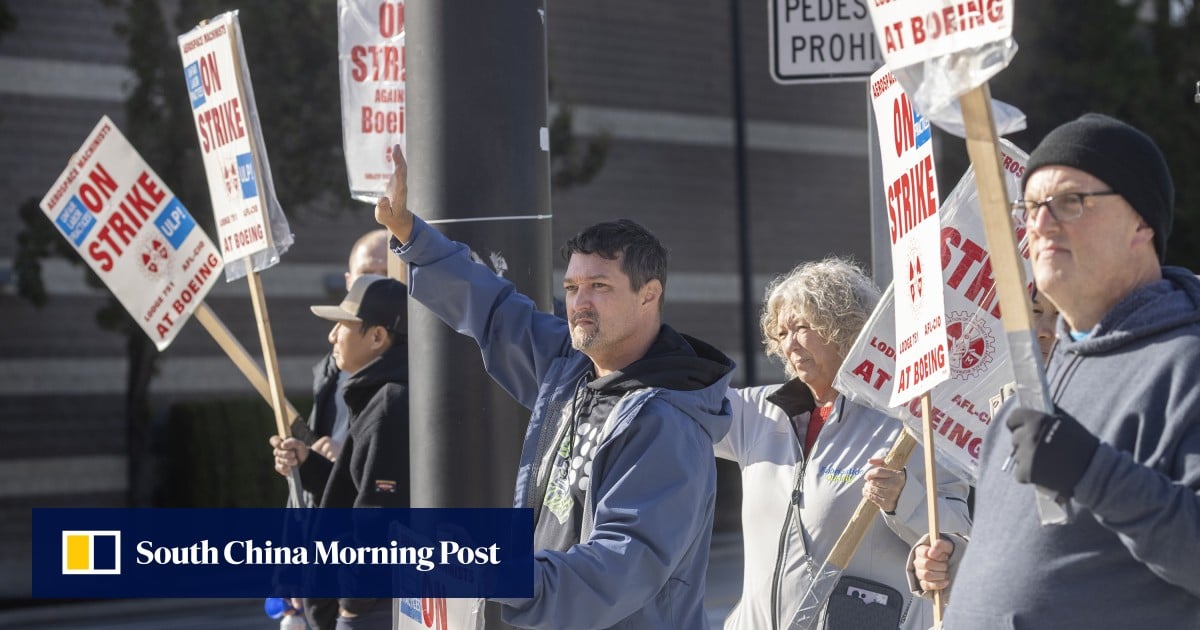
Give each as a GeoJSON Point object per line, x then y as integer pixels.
{"type": "Point", "coordinates": [916, 280]}
{"type": "Point", "coordinates": [972, 345]}
{"type": "Point", "coordinates": [153, 255]}
{"type": "Point", "coordinates": [233, 186]}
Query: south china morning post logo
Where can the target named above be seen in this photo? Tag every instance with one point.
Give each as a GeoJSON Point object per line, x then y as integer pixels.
{"type": "Point", "coordinates": [91, 552]}
{"type": "Point", "coordinates": [322, 552]}
{"type": "Point", "coordinates": [257, 552]}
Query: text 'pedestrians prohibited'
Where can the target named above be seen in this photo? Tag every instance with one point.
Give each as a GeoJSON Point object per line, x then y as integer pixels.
{"type": "Point", "coordinates": [822, 41]}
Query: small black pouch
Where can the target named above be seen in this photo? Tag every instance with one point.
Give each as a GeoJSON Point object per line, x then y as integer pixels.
{"type": "Point", "coordinates": [861, 604]}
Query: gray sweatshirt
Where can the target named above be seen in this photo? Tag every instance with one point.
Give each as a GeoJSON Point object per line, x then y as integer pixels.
{"type": "Point", "coordinates": [1131, 556]}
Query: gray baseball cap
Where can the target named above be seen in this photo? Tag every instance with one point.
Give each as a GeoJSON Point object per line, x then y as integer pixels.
{"type": "Point", "coordinates": [374, 300]}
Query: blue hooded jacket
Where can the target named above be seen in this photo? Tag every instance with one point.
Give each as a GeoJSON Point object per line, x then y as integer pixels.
{"type": "Point", "coordinates": [647, 518]}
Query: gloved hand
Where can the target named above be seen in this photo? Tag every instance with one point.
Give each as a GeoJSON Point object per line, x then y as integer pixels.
{"type": "Point", "coordinates": [1051, 451]}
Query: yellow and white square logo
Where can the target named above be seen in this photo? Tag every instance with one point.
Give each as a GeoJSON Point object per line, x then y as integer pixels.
{"type": "Point", "coordinates": [91, 552]}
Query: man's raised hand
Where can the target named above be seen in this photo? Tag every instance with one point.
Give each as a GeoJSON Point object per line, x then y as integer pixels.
{"type": "Point", "coordinates": [392, 209]}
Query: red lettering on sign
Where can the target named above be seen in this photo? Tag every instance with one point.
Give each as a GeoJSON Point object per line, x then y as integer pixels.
{"type": "Point", "coordinates": [192, 290]}
{"type": "Point", "coordinates": [377, 63]}
{"type": "Point", "coordinates": [911, 198]}
{"type": "Point", "coordinates": [948, 427]}
{"type": "Point", "coordinates": [98, 188]}
{"type": "Point", "coordinates": [969, 259]}
{"type": "Point", "coordinates": [956, 18]}
{"type": "Point", "coordinates": [209, 75]}
{"type": "Point", "coordinates": [893, 37]}
{"type": "Point", "coordinates": [220, 125]}
{"type": "Point", "coordinates": [379, 121]}
{"type": "Point", "coordinates": [242, 238]}
{"type": "Point", "coordinates": [867, 371]}
{"type": "Point", "coordinates": [391, 19]}
{"type": "Point", "coordinates": [902, 125]}
{"type": "Point", "coordinates": [120, 228]}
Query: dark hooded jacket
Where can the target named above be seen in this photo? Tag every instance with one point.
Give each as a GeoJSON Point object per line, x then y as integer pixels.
{"type": "Point", "coordinates": [322, 417]}
{"type": "Point", "coordinates": [372, 469]}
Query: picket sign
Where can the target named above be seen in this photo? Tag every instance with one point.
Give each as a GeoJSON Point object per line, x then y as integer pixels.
{"type": "Point", "coordinates": [371, 66]}
{"type": "Point", "coordinates": [133, 232]}
{"type": "Point", "coordinates": [979, 354]}
{"type": "Point", "coordinates": [1029, 374]}
{"type": "Point", "coordinates": [964, 34]}
{"type": "Point", "coordinates": [922, 358]}
{"type": "Point", "coordinates": [239, 181]}
{"type": "Point", "coordinates": [142, 243]}
{"type": "Point", "coordinates": [910, 181]}
{"type": "Point", "coordinates": [910, 31]}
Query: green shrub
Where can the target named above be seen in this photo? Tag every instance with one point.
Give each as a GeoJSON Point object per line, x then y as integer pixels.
{"type": "Point", "coordinates": [215, 455]}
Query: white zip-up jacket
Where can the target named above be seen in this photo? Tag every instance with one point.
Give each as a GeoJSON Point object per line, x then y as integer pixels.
{"type": "Point", "coordinates": [761, 440]}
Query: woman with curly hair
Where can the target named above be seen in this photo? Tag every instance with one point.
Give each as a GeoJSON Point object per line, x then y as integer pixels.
{"type": "Point", "coordinates": [808, 456]}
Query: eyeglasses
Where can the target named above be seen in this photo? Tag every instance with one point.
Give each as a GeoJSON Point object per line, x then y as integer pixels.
{"type": "Point", "coordinates": [1063, 207]}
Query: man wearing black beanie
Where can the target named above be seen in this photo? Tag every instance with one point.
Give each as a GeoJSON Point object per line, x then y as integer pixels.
{"type": "Point", "coordinates": [1123, 444]}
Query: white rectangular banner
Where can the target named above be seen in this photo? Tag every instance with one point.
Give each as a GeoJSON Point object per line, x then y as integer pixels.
{"type": "Point", "coordinates": [223, 124]}
{"type": "Point", "coordinates": [911, 31]}
{"type": "Point", "coordinates": [910, 182]}
{"type": "Point", "coordinates": [371, 66]}
{"type": "Point", "coordinates": [134, 233]}
{"type": "Point", "coordinates": [980, 364]}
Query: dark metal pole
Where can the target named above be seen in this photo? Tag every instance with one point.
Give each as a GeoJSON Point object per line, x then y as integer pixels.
{"type": "Point", "coordinates": [477, 90]}
{"type": "Point", "coordinates": [480, 172]}
{"type": "Point", "coordinates": [748, 300]}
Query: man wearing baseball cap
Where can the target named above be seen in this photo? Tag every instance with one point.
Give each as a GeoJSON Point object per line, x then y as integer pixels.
{"type": "Point", "coordinates": [1123, 442]}
{"type": "Point", "coordinates": [369, 339]}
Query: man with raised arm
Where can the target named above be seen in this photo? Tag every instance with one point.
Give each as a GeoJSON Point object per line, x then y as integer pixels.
{"type": "Point", "coordinates": [617, 460]}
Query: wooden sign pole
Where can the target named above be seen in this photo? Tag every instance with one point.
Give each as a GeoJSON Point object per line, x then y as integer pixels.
{"type": "Point", "coordinates": [856, 529]}
{"type": "Point", "coordinates": [274, 382]}
{"type": "Point", "coordinates": [931, 487]}
{"type": "Point", "coordinates": [806, 616]}
{"type": "Point", "coordinates": [1015, 307]}
{"type": "Point", "coordinates": [240, 357]}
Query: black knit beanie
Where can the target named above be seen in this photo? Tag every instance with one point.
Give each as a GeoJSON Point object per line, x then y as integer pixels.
{"type": "Point", "coordinates": [1122, 157]}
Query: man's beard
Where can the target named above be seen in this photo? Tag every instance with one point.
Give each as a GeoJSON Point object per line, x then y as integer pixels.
{"type": "Point", "coordinates": [583, 339]}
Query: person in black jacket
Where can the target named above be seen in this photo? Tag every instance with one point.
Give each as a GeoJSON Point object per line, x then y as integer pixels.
{"type": "Point", "coordinates": [328, 421]}
{"type": "Point", "coordinates": [369, 339]}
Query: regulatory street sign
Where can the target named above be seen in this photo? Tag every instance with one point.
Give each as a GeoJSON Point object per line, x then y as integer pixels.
{"type": "Point", "coordinates": [821, 41]}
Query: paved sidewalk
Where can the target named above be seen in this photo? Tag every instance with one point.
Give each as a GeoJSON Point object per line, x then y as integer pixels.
{"type": "Point", "coordinates": [724, 584]}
